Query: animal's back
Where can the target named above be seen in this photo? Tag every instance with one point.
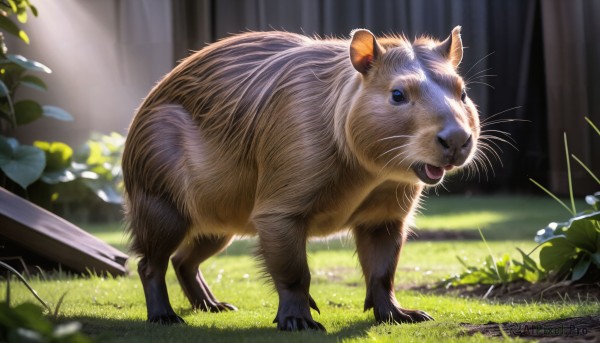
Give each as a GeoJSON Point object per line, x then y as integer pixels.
{"type": "Point", "coordinates": [227, 86]}
{"type": "Point", "coordinates": [248, 104]}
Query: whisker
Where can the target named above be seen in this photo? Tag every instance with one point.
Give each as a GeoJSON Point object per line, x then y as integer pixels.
{"type": "Point", "coordinates": [483, 166]}
{"type": "Point", "coordinates": [489, 143]}
{"type": "Point", "coordinates": [480, 163]}
{"type": "Point", "coordinates": [486, 158]}
{"type": "Point", "coordinates": [479, 72]}
{"type": "Point", "coordinates": [391, 159]}
{"type": "Point", "coordinates": [483, 83]}
{"type": "Point", "coordinates": [499, 121]}
{"type": "Point", "coordinates": [479, 78]}
{"type": "Point", "coordinates": [499, 113]}
{"type": "Point", "coordinates": [495, 138]}
{"type": "Point", "coordinates": [493, 152]}
{"type": "Point", "coordinates": [392, 149]}
{"type": "Point", "coordinates": [476, 63]}
{"type": "Point", "coordinates": [508, 136]}
{"type": "Point", "coordinates": [397, 199]}
{"type": "Point", "coordinates": [398, 136]}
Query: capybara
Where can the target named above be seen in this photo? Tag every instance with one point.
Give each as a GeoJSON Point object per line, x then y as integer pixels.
{"type": "Point", "coordinates": [285, 137]}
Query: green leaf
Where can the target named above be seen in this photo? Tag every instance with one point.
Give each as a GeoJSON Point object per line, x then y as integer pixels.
{"type": "Point", "coordinates": [27, 111]}
{"type": "Point", "coordinates": [34, 82]}
{"type": "Point", "coordinates": [13, 142]}
{"type": "Point", "coordinates": [96, 155]}
{"type": "Point", "coordinates": [9, 26]}
{"type": "Point", "coordinates": [56, 113]}
{"type": "Point", "coordinates": [593, 216]}
{"type": "Point", "coordinates": [25, 165]}
{"type": "Point", "coordinates": [3, 89]}
{"type": "Point", "coordinates": [528, 262]}
{"type": "Point", "coordinates": [22, 15]}
{"type": "Point", "coordinates": [28, 64]}
{"type": "Point", "coordinates": [13, 5]}
{"type": "Point", "coordinates": [581, 268]}
{"type": "Point", "coordinates": [58, 155]}
{"type": "Point", "coordinates": [557, 254]}
{"type": "Point", "coordinates": [596, 259]}
{"type": "Point", "coordinates": [55, 177]}
{"type": "Point", "coordinates": [34, 10]}
{"type": "Point", "coordinates": [6, 151]}
{"type": "Point", "coordinates": [582, 233]}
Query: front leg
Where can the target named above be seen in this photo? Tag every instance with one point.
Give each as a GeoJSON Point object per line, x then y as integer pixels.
{"type": "Point", "coordinates": [378, 248]}
{"type": "Point", "coordinates": [282, 245]}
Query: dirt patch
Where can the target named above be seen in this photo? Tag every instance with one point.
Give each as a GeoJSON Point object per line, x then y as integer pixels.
{"type": "Point", "coordinates": [578, 329]}
{"type": "Point", "coordinates": [521, 291]}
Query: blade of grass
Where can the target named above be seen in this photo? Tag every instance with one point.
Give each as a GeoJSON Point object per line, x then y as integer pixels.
{"type": "Point", "coordinates": [592, 125]}
{"type": "Point", "coordinates": [8, 289]}
{"type": "Point", "coordinates": [586, 168]}
{"type": "Point", "coordinates": [569, 174]}
{"type": "Point", "coordinates": [491, 254]}
{"type": "Point", "coordinates": [552, 195]}
{"type": "Point", "coordinates": [60, 301]}
{"type": "Point", "coordinates": [14, 271]}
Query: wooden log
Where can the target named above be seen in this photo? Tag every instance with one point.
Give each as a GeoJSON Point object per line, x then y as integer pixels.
{"type": "Point", "coordinates": [39, 233]}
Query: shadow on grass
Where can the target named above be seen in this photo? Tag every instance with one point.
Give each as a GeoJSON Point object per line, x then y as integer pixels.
{"type": "Point", "coordinates": [114, 330]}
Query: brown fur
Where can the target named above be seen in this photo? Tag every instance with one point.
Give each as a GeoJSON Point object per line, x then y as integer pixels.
{"type": "Point", "coordinates": [286, 137]}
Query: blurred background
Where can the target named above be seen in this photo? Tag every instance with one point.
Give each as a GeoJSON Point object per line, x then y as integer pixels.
{"type": "Point", "coordinates": [532, 60]}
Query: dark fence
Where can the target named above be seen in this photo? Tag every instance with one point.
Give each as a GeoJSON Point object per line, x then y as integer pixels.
{"type": "Point", "coordinates": [533, 60]}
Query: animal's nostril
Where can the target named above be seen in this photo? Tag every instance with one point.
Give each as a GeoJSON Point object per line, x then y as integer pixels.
{"type": "Point", "coordinates": [468, 141]}
{"type": "Point", "coordinates": [443, 142]}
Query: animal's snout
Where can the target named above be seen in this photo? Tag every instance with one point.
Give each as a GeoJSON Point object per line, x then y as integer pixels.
{"type": "Point", "coordinates": [456, 144]}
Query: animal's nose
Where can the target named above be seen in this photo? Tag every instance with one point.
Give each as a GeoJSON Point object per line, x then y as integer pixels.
{"type": "Point", "coordinates": [456, 143]}
{"type": "Point", "coordinates": [454, 138]}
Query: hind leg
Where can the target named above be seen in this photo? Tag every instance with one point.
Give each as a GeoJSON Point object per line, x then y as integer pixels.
{"type": "Point", "coordinates": [158, 229]}
{"type": "Point", "coordinates": [186, 261]}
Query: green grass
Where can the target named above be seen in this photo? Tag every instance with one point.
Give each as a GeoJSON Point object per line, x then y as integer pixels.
{"type": "Point", "coordinates": [500, 217]}
{"type": "Point", "coordinates": [113, 309]}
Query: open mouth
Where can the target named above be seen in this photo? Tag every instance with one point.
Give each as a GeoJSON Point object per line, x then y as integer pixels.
{"type": "Point", "coordinates": [430, 174]}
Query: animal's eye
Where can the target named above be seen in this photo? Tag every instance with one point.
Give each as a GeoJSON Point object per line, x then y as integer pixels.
{"type": "Point", "coordinates": [398, 97]}
{"type": "Point", "coordinates": [463, 96]}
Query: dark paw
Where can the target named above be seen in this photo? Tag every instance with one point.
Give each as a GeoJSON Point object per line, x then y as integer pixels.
{"type": "Point", "coordinates": [399, 315]}
{"type": "Point", "coordinates": [215, 307]}
{"type": "Point", "coordinates": [166, 319]}
{"type": "Point", "coordinates": [298, 324]}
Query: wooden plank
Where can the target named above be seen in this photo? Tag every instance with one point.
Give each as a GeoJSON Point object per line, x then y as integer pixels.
{"type": "Point", "coordinates": [56, 239]}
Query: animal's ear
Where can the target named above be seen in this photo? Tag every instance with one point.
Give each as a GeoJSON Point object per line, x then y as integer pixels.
{"type": "Point", "coordinates": [452, 47]}
{"type": "Point", "coordinates": [364, 50]}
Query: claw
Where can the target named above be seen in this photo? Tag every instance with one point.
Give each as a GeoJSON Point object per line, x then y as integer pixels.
{"type": "Point", "coordinates": [399, 315]}
{"type": "Point", "coordinates": [167, 320]}
{"type": "Point", "coordinates": [229, 307]}
{"type": "Point", "coordinates": [298, 324]}
{"type": "Point", "coordinates": [313, 304]}
{"type": "Point", "coordinates": [207, 306]}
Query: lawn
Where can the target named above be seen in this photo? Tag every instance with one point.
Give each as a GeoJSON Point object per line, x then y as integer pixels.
{"type": "Point", "coordinates": [113, 309]}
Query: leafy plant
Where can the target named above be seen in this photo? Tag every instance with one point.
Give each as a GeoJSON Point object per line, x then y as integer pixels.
{"type": "Point", "coordinates": [100, 166]}
{"type": "Point", "coordinates": [22, 164]}
{"type": "Point", "coordinates": [571, 250]}
{"type": "Point", "coordinates": [497, 272]}
{"type": "Point", "coordinates": [75, 181]}
{"type": "Point", "coordinates": [27, 323]}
